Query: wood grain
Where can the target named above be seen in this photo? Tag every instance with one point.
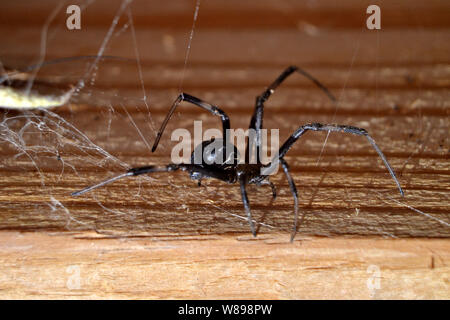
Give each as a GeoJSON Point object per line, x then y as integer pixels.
{"type": "Point", "coordinates": [37, 265]}
{"type": "Point", "coordinates": [394, 82]}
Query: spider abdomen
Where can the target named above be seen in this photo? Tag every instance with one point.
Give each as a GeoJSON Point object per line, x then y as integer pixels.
{"type": "Point", "coordinates": [216, 153]}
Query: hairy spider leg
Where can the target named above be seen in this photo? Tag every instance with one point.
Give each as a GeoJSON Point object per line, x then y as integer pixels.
{"type": "Point", "coordinates": [293, 188]}
{"type": "Point", "coordinates": [210, 172]}
{"type": "Point", "coordinates": [256, 121]}
{"type": "Point", "coordinates": [321, 127]}
{"type": "Point", "coordinates": [272, 187]}
{"type": "Point", "coordinates": [129, 173]}
{"type": "Point", "coordinates": [197, 102]}
{"type": "Point", "coordinates": [336, 128]}
{"type": "Point", "coordinates": [243, 183]}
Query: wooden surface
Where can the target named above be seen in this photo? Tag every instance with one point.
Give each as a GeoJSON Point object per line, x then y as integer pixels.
{"type": "Point", "coordinates": [393, 82]}
{"type": "Point", "coordinates": [44, 265]}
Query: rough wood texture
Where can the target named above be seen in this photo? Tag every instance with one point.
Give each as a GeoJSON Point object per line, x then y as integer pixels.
{"type": "Point", "coordinates": [226, 267]}
{"type": "Point", "coordinates": [393, 82]}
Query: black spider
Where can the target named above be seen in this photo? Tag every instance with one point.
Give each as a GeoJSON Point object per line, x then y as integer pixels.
{"type": "Point", "coordinates": [223, 162]}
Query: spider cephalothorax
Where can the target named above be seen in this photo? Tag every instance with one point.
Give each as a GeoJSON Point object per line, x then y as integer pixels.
{"type": "Point", "coordinates": [219, 158]}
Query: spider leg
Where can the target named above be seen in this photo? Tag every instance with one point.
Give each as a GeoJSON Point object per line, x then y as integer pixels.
{"type": "Point", "coordinates": [256, 121]}
{"type": "Point", "coordinates": [274, 190]}
{"type": "Point", "coordinates": [272, 187]}
{"type": "Point", "coordinates": [129, 173]}
{"type": "Point", "coordinates": [243, 183]}
{"type": "Point", "coordinates": [291, 182]}
{"type": "Point", "coordinates": [200, 103]}
{"type": "Point", "coordinates": [336, 128]}
{"type": "Point", "coordinates": [211, 172]}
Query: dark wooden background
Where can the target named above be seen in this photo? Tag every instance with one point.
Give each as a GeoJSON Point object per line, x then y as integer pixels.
{"type": "Point", "coordinates": [394, 82]}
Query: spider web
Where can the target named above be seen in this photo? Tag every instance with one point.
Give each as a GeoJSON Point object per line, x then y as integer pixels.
{"type": "Point", "coordinates": [39, 141]}
{"type": "Point", "coordinates": [51, 145]}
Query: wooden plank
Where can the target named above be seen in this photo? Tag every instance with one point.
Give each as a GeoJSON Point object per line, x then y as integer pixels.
{"type": "Point", "coordinates": [327, 192]}
{"type": "Point", "coordinates": [37, 265]}
{"type": "Point", "coordinates": [286, 46]}
{"type": "Point", "coordinates": [234, 14]}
